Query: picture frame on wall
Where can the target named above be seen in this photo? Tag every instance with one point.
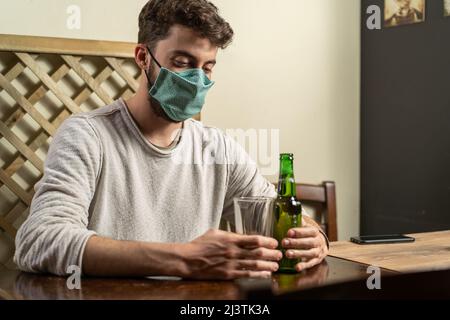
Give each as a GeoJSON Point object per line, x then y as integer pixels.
{"type": "Point", "coordinates": [403, 12]}
{"type": "Point", "coordinates": [446, 8]}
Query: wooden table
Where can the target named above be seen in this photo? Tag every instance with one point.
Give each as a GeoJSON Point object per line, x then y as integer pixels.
{"type": "Point", "coordinates": [20, 285]}
{"type": "Point", "coordinates": [343, 274]}
{"type": "Point", "coordinates": [429, 252]}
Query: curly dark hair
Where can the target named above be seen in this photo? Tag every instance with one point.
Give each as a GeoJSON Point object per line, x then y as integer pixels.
{"type": "Point", "coordinates": [157, 16]}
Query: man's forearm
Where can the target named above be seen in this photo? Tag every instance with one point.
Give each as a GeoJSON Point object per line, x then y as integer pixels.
{"type": "Point", "coordinates": [107, 257]}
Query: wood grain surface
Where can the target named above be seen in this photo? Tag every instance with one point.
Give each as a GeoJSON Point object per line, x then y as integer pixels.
{"type": "Point", "coordinates": [429, 252]}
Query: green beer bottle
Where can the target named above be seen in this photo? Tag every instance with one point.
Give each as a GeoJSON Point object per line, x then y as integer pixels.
{"type": "Point", "coordinates": [288, 210]}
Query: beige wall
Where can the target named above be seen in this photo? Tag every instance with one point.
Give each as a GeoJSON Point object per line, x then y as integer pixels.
{"type": "Point", "coordinates": [294, 65]}
{"type": "Point", "coordinates": [100, 19]}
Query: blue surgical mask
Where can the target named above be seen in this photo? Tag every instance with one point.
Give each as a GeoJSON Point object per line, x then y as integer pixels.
{"type": "Point", "coordinates": [180, 94]}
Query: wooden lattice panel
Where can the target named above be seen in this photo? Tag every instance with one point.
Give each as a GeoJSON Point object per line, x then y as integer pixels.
{"type": "Point", "coordinates": [42, 82]}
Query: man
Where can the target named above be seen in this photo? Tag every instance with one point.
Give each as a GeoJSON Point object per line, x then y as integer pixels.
{"type": "Point", "coordinates": [126, 192]}
{"type": "Point", "coordinates": [405, 14]}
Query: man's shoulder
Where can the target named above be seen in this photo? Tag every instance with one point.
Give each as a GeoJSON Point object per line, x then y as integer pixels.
{"type": "Point", "coordinates": [86, 121]}
{"type": "Point", "coordinates": [104, 111]}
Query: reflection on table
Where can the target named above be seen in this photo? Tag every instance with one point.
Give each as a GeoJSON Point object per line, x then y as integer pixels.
{"type": "Point", "coordinates": [20, 285]}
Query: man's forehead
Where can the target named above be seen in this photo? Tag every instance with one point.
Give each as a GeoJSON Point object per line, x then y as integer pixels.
{"type": "Point", "coordinates": [183, 39]}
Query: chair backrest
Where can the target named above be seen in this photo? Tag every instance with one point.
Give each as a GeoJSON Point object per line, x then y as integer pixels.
{"type": "Point", "coordinates": [322, 197]}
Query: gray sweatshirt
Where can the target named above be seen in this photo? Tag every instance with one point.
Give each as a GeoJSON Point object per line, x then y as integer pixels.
{"type": "Point", "coordinates": [102, 176]}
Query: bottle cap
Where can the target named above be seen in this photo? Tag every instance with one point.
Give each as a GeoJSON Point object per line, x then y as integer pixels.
{"type": "Point", "coordinates": [287, 155]}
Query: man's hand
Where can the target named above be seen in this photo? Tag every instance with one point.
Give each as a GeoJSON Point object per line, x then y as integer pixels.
{"type": "Point", "coordinates": [224, 255]}
{"type": "Point", "coordinates": [306, 243]}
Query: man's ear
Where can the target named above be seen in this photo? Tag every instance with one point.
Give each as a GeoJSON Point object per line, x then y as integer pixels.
{"type": "Point", "coordinates": [140, 57]}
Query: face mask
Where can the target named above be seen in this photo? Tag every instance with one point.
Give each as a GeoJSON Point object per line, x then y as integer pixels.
{"type": "Point", "coordinates": [180, 94]}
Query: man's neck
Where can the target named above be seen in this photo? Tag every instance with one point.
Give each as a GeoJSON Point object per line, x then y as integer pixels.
{"type": "Point", "coordinates": [157, 130]}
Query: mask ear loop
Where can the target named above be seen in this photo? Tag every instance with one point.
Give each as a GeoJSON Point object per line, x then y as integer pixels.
{"type": "Point", "coordinates": [145, 71]}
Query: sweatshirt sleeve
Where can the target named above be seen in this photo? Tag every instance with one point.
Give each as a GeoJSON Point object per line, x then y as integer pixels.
{"type": "Point", "coordinates": [244, 177]}
{"type": "Point", "coordinates": [54, 235]}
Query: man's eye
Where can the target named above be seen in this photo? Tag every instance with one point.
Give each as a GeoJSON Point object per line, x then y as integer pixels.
{"type": "Point", "coordinates": [180, 64]}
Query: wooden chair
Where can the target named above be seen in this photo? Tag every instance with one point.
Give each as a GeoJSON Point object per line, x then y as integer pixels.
{"type": "Point", "coordinates": [321, 197]}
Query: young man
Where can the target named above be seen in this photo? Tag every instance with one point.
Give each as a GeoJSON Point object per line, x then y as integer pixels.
{"type": "Point", "coordinates": [127, 193]}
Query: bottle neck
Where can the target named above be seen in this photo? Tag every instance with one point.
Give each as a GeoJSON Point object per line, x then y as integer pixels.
{"type": "Point", "coordinates": [286, 181]}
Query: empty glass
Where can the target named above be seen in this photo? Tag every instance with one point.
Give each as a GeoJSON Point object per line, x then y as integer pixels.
{"type": "Point", "coordinates": [254, 215]}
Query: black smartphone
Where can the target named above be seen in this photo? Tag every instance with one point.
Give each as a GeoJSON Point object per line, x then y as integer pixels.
{"type": "Point", "coordinates": [388, 238]}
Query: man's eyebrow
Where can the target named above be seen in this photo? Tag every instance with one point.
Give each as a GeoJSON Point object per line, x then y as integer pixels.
{"type": "Point", "coordinates": [187, 54]}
